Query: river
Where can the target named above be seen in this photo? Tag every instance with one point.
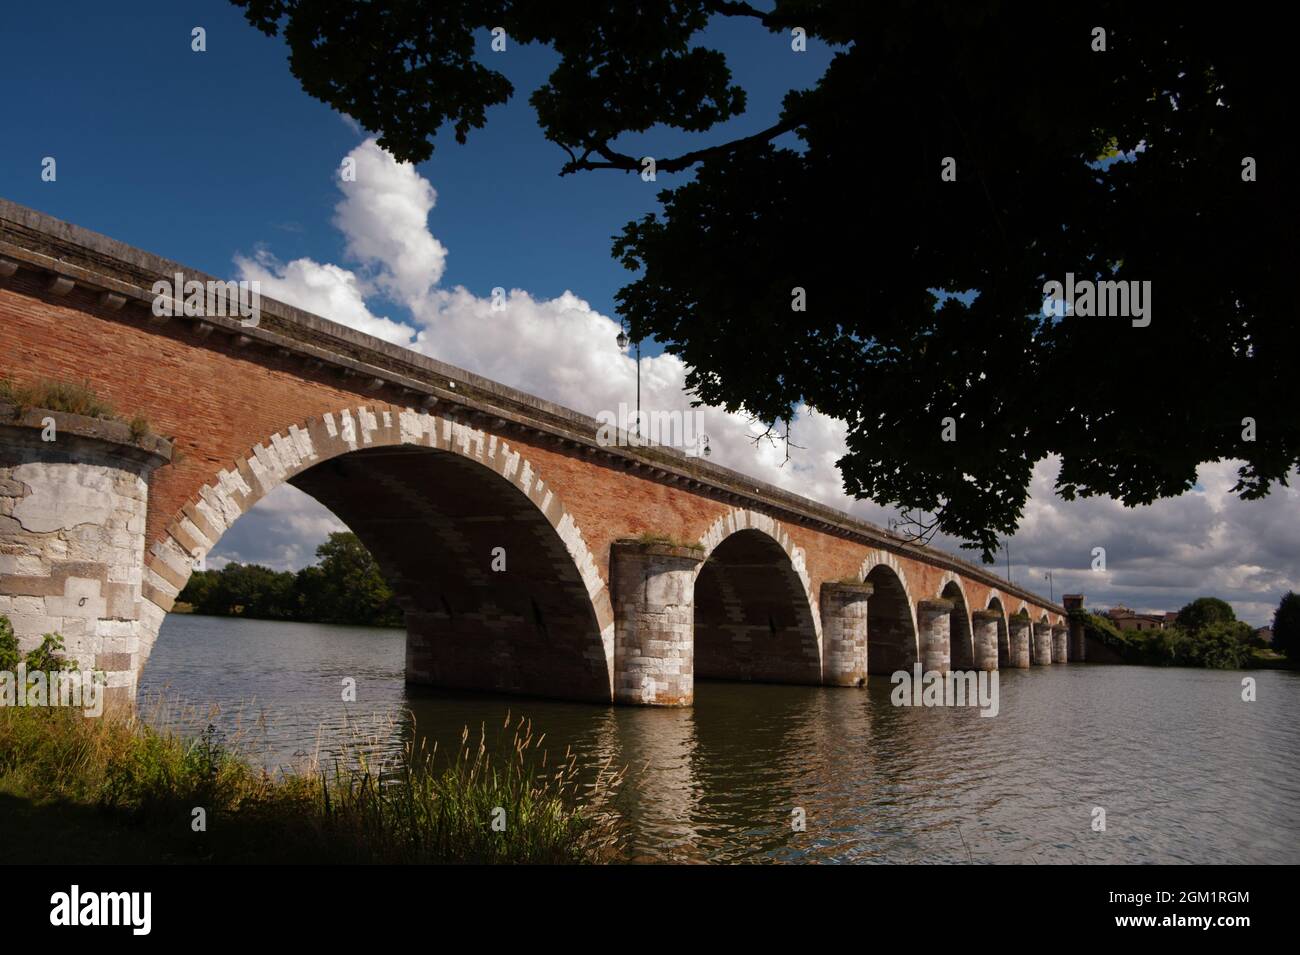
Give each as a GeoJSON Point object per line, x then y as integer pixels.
{"type": "Point", "coordinates": [1184, 769]}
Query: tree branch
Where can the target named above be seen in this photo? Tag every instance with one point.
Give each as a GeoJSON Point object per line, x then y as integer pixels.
{"type": "Point", "coordinates": [735, 8]}
{"type": "Point", "coordinates": [912, 525]}
{"type": "Point", "coordinates": [616, 160]}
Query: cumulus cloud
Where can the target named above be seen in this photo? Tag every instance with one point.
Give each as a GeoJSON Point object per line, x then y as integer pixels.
{"type": "Point", "coordinates": [562, 349]}
{"type": "Point", "coordinates": [281, 532]}
{"type": "Point", "coordinates": [323, 289]}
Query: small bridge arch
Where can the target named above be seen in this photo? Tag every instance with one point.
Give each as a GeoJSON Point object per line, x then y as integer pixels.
{"type": "Point", "coordinates": [755, 618]}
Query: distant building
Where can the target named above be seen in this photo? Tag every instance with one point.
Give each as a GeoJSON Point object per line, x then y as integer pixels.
{"type": "Point", "coordinates": [1125, 619]}
{"type": "Point", "coordinates": [1265, 634]}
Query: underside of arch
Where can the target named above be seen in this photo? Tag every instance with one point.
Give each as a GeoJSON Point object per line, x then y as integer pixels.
{"type": "Point", "coordinates": [752, 616]}
{"type": "Point", "coordinates": [961, 640]}
{"type": "Point", "coordinates": [891, 627]}
{"type": "Point", "coordinates": [1004, 638]}
{"type": "Point", "coordinates": [499, 590]}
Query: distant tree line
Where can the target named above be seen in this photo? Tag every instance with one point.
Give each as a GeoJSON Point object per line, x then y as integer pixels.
{"type": "Point", "coordinates": [344, 586]}
{"type": "Point", "coordinates": [1207, 634]}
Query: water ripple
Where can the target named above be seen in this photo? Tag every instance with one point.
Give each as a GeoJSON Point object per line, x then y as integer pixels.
{"type": "Point", "coordinates": [1185, 771]}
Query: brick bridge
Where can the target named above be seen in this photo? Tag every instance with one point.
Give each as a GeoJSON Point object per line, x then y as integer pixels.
{"type": "Point", "coordinates": [629, 571]}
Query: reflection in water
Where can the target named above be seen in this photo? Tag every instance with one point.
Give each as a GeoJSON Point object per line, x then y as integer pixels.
{"type": "Point", "coordinates": [1185, 770]}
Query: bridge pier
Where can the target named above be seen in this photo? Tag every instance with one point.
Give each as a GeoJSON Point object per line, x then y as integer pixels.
{"type": "Point", "coordinates": [934, 621]}
{"type": "Point", "coordinates": [654, 622]}
{"type": "Point", "coordinates": [74, 494]}
{"type": "Point", "coordinates": [1018, 639]}
{"type": "Point", "coordinates": [985, 626]}
{"type": "Point", "coordinates": [1042, 645]}
{"type": "Point", "coordinates": [1076, 640]}
{"type": "Point", "coordinates": [844, 633]}
{"type": "Point", "coordinates": [1060, 644]}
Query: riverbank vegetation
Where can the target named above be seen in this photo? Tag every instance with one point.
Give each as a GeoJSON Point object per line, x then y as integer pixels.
{"type": "Point", "coordinates": [114, 789]}
{"type": "Point", "coordinates": [1206, 634]}
{"type": "Point", "coordinates": [344, 586]}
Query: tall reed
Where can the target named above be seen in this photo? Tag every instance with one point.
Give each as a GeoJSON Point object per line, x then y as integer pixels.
{"type": "Point", "coordinates": [493, 801]}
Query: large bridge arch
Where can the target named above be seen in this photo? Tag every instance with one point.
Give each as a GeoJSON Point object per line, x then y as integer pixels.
{"type": "Point", "coordinates": [892, 637]}
{"type": "Point", "coordinates": [431, 498]}
{"type": "Point", "coordinates": [755, 615]}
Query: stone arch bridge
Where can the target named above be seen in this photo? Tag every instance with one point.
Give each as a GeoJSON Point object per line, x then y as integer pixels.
{"type": "Point", "coordinates": [630, 571]}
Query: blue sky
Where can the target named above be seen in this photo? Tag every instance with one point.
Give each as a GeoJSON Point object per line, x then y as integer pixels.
{"type": "Point", "coordinates": [198, 156]}
{"type": "Point", "coordinates": [207, 158]}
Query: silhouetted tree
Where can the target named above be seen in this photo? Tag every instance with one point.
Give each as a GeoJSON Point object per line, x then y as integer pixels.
{"type": "Point", "coordinates": [1115, 141]}
{"type": "Point", "coordinates": [1286, 628]}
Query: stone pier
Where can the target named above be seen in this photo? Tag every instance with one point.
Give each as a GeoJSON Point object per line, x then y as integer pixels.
{"type": "Point", "coordinates": [1018, 638]}
{"type": "Point", "coordinates": [74, 496]}
{"type": "Point", "coordinates": [1077, 639]}
{"type": "Point", "coordinates": [1042, 646]}
{"type": "Point", "coordinates": [934, 621]}
{"type": "Point", "coordinates": [1060, 644]}
{"type": "Point", "coordinates": [654, 622]}
{"type": "Point", "coordinates": [984, 624]}
{"type": "Point", "coordinates": [844, 632]}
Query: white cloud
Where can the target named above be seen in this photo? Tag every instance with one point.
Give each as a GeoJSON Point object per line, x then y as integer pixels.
{"type": "Point", "coordinates": [281, 532]}
{"type": "Point", "coordinates": [322, 289]}
{"type": "Point", "coordinates": [384, 218]}
{"type": "Point", "coordinates": [561, 349]}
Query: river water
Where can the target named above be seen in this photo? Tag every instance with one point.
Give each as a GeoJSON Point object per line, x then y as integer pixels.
{"type": "Point", "coordinates": [1184, 769]}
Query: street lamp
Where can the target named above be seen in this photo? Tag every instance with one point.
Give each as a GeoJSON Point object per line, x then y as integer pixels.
{"type": "Point", "coordinates": [1051, 591]}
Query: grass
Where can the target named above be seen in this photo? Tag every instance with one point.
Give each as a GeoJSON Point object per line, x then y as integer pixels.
{"type": "Point", "coordinates": [114, 789]}
{"type": "Point", "coordinates": [68, 397]}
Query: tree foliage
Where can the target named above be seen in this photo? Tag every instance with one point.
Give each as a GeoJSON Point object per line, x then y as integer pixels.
{"type": "Point", "coordinates": [1212, 641]}
{"type": "Point", "coordinates": [1286, 627]}
{"type": "Point", "coordinates": [345, 587]}
{"type": "Point", "coordinates": [1121, 164]}
{"type": "Point", "coordinates": [1205, 611]}
{"type": "Point", "coordinates": [45, 656]}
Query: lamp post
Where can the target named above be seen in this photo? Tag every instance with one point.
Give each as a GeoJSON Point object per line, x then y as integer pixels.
{"type": "Point", "coordinates": [1051, 592]}
{"type": "Point", "coordinates": [622, 340]}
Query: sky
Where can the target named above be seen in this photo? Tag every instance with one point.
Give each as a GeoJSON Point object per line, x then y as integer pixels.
{"type": "Point", "coordinates": [218, 160]}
